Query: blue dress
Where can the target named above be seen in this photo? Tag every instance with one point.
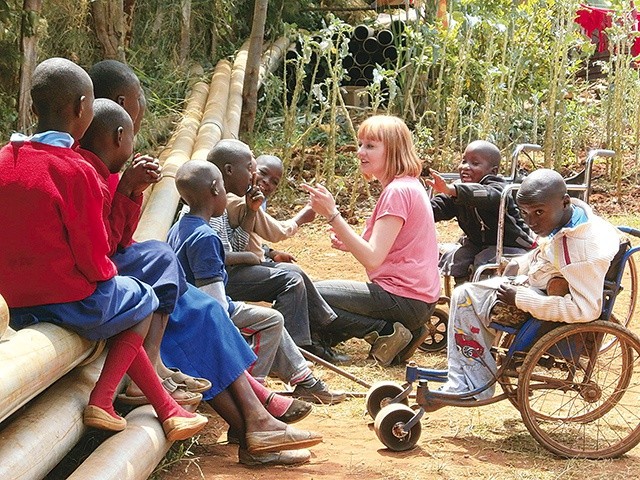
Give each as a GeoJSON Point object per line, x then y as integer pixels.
{"type": "Point", "coordinates": [201, 341]}
{"type": "Point", "coordinates": [154, 263]}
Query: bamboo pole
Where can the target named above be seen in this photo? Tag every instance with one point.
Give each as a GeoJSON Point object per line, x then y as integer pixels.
{"type": "Point", "coordinates": [42, 424]}
{"type": "Point", "coordinates": [4, 316]}
{"type": "Point", "coordinates": [129, 455]}
{"type": "Point", "coordinates": [35, 357]}
{"type": "Point", "coordinates": [161, 207]}
{"type": "Point", "coordinates": [212, 125]}
{"type": "Point", "coordinates": [234, 104]}
{"type": "Point", "coordinates": [162, 158]}
{"type": "Point", "coordinates": [35, 442]}
{"type": "Point", "coordinates": [273, 57]}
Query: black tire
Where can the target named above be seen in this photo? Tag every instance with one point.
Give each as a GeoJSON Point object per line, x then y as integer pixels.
{"type": "Point", "coordinates": [380, 394]}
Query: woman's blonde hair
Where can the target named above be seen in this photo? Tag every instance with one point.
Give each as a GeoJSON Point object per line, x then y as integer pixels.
{"type": "Point", "coordinates": [402, 159]}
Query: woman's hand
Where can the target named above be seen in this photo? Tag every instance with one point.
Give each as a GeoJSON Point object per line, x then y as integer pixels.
{"type": "Point", "coordinates": [337, 244]}
{"type": "Point", "coordinates": [321, 199]}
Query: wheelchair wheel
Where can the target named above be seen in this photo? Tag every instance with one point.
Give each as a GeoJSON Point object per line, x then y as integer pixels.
{"type": "Point", "coordinates": [380, 394]}
{"type": "Point", "coordinates": [578, 400]}
{"type": "Point", "coordinates": [437, 325]}
{"type": "Point", "coordinates": [388, 427]}
{"type": "Point", "coordinates": [625, 305]}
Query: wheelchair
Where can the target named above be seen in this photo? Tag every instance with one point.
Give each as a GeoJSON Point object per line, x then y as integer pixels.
{"type": "Point", "coordinates": [579, 186]}
{"type": "Point", "coordinates": [577, 386]}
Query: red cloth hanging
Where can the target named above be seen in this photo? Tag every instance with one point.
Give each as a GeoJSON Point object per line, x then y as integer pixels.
{"type": "Point", "coordinates": [595, 20]}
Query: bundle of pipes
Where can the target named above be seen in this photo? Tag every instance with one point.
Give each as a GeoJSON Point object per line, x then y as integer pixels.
{"type": "Point", "coordinates": [368, 48]}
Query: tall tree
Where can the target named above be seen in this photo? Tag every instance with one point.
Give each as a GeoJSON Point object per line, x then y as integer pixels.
{"type": "Point", "coordinates": [31, 10]}
{"type": "Point", "coordinates": [109, 24]}
{"type": "Point", "coordinates": [252, 72]}
{"type": "Point", "coordinates": [185, 31]}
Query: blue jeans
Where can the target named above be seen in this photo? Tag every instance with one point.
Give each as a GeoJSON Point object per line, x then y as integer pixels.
{"type": "Point", "coordinates": [366, 307]}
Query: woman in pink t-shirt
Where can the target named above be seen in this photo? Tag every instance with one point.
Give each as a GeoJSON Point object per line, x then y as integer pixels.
{"type": "Point", "coordinates": [398, 249]}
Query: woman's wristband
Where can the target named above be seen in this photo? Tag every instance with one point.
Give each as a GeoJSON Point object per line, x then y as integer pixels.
{"type": "Point", "coordinates": [333, 216]}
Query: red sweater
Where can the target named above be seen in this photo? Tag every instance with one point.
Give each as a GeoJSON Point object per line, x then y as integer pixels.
{"type": "Point", "coordinates": [53, 243]}
{"type": "Point", "coordinates": [121, 213]}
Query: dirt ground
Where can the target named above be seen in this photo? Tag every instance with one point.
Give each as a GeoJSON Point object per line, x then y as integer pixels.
{"type": "Point", "coordinates": [480, 443]}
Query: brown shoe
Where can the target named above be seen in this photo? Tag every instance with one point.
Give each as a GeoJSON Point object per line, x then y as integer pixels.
{"type": "Point", "coordinates": [288, 457]}
{"type": "Point", "coordinates": [181, 428]}
{"type": "Point", "coordinates": [290, 438]}
{"type": "Point", "coordinates": [418, 338]}
{"type": "Point", "coordinates": [178, 392]}
{"type": "Point", "coordinates": [96, 417]}
{"type": "Point", "coordinates": [319, 393]}
{"type": "Point", "coordinates": [386, 347]}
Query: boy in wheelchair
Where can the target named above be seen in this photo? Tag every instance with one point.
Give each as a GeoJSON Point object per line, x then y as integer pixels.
{"type": "Point", "coordinates": [561, 280]}
{"type": "Point", "coordinates": [475, 203]}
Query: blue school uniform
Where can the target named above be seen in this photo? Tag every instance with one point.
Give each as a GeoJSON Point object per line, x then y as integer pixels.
{"type": "Point", "coordinates": [201, 341]}
{"type": "Point", "coordinates": [115, 306]}
{"type": "Point", "coordinates": [154, 263]}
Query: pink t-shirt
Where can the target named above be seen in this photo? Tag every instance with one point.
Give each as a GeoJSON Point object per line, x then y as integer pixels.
{"type": "Point", "coordinates": [411, 267]}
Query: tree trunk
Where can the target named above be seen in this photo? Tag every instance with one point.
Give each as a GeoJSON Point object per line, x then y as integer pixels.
{"type": "Point", "coordinates": [252, 73]}
{"type": "Point", "coordinates": [109, 24]}
{"type": "Point", "coordinates": [29, 51]}
{"type": "Point", "coordinates": [128, 8]}
{"type": "Point", "coordinates": [185, 31]}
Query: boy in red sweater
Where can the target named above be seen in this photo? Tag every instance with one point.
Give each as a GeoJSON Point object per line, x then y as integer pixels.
{"type": "Point", "coordinates": [55, 226]}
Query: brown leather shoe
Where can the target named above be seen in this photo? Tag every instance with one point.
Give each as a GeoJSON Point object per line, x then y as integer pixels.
{"type": "Point", "coordinates": [96, 417]}
{"type": "Point", "coordinates": [290, 438]}
{"type": "Point", "coordinates": [288, 457]}
{"type": "Point", "coordinates": [181, 428]}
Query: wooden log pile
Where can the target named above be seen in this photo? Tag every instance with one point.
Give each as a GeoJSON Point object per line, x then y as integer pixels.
{"type": "Point", "coordinates": [48, 372]}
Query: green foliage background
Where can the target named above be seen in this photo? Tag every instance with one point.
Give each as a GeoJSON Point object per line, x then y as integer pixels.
{"type": "Point", "coordinates": [503, 70]}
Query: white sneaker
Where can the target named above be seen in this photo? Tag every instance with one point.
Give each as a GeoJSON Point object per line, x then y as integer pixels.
{"type": "Point", "coordinates": [386, 347]}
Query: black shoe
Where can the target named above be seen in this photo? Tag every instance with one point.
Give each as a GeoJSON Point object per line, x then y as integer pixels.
{"type": "Point", "coordinates": [327, 354]}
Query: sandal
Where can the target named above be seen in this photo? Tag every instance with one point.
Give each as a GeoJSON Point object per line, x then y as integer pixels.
{"type": "Point", "coordinates": [298, 410]}
{"type": "Point", "coordinates": [192, 384]}
{"type": "Point", "coordinates": [183, 396]}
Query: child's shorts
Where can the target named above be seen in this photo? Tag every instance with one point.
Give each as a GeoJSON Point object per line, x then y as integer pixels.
{"type": "Point", "coordinates": [116, 305]}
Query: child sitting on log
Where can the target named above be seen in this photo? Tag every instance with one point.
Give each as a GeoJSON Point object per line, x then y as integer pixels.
{"type": "Point", "coordinates": [199, 337]}
{"type": "Point", "coordinates": [202, 255]}
{"type": "Point", "coordinates": [152, 261]}
{"type": "Point", "coordinates": [475, 203]}
{"type": "Point", "coordinates": [55, 266]}
{"type": "Point", "coordinates": [276, 278]}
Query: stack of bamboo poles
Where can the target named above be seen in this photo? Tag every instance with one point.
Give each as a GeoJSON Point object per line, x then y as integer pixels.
{"type": "Point", "coordinates": [38, 358]}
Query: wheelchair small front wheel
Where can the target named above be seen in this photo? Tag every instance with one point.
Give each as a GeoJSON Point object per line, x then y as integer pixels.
{"type": "Point", "coordinates": [389, 427]}
{"type": "Point", "coordinates": [380, 395]}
